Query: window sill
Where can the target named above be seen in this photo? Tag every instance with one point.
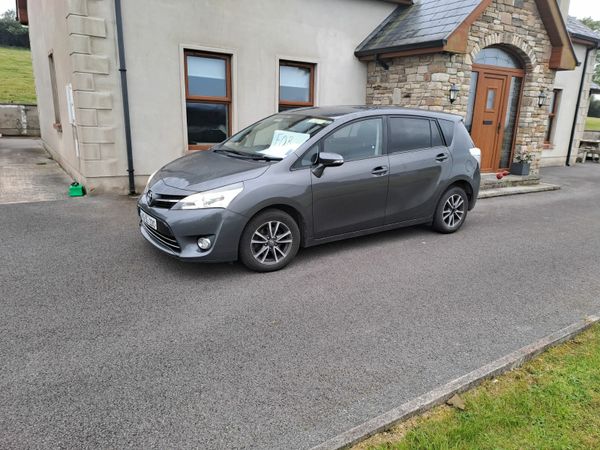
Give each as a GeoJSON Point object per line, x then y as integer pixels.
{"type": "Point", "coordinates": [194, 148]}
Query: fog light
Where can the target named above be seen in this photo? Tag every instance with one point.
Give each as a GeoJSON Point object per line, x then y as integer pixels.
{"type": "Point", "coordinates": [204, 243]}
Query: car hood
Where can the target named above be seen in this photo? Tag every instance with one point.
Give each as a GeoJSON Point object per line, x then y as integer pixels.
{"type": "Point", "coordinates": [205, 170]}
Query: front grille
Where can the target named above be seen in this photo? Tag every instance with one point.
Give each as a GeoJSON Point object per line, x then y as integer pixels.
{"type": "Point", "coordinates": [162, 238]}
{"type": "Point", "coordinates": [162, 200]}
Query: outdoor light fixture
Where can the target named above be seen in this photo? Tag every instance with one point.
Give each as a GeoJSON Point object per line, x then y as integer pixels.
{"type": "Point", "coordinates": [454, 90]}
{"type": "Point", "coordinates": [542, 98]}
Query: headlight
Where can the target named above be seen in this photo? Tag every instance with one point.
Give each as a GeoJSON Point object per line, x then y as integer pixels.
{"type": "Point", "coordinates": [149, 182]}
{"type": "Point", "coordinates": [217, 198]}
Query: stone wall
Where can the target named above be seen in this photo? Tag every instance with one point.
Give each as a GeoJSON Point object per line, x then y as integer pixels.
{"type": "Point", "coordinates": [19, 120]}
{"type": "Point", "coordinates": [424, 81]}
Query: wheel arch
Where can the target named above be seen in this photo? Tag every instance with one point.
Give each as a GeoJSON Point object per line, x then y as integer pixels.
{"type": "Point", "coordinates": [465, 185]}
{"type": "Point", "coordinates": [293, 211]}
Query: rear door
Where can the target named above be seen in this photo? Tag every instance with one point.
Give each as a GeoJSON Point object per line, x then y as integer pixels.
{"type": "Point", "coordinates": [352, 197]}
{"type": "Point", "coordinates": [419, 162]}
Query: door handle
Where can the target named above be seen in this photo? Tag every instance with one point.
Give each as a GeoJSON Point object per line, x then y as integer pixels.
{"type": "Point", "coordinates": [380, 170]}
{"type": "Point", "coordinates": [441, 157]}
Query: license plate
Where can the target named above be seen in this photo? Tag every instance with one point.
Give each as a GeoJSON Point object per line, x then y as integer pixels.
{"type": "Point", "coordinates": [148, 220]}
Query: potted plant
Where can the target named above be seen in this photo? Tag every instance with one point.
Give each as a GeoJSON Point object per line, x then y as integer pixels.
{"type": "Point", "coordinates": [522, 162]}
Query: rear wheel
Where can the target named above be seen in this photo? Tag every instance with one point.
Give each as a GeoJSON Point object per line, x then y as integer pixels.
{"type": "Point", "coordinates": [451, 211]}
{"type": "Point", "coordinates": [269, 241]}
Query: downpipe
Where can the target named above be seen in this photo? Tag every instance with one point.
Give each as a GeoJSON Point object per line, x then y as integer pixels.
{"type": "Point", "coordinates": [125, 94]}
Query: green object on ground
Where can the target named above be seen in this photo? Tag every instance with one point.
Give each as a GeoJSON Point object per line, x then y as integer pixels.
{"type": "Point", "coordinates": [552, 402]}
{"type": "Point", "coordinates": [592, 124]}
{"type": "Point", "coordinates": [16, 76]}
{"type": "Point", "coordinates": [76, 190]}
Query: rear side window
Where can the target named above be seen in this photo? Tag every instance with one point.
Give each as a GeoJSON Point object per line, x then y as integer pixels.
{"type": "Point", "coordinates": [409, 133]}
{"type": "Point", "coordinates": [436, 137]}
{"type": "Point", "coordinates": [447, 127]}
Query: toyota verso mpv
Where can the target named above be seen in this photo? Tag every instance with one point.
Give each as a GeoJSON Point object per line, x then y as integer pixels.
{"type": "Point", "coordinates": [309, 176]}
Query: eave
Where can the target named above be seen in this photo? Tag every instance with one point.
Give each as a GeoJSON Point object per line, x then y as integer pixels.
{"type": "Point", "coordinates": [21, 8]}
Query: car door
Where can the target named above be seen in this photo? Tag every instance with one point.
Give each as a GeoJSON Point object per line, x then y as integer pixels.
{"type": "Point", "coordinates": [351, 197]}
{"type": "Point", "coordinates": [419, 162]}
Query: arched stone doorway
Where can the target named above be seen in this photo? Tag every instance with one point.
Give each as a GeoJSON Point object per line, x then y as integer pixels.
{"type": "Point", "coordinates": [494, 104]}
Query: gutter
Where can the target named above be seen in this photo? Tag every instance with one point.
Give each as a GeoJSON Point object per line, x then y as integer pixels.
{"type": "Point", "coordinates": [581, 86]}
{"type": "Point", "coordinates": [125, 94]}
{"type": "Point", "coordinates": [400, 48]}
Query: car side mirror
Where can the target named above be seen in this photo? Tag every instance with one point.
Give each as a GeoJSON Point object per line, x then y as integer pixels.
{"type": "Point", "coordinates": [330, 159]}
{"type": "Point", "coordinates": [326, 160]}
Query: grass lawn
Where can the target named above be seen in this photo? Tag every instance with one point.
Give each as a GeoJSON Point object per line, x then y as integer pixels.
{"type": "Point", "coordinates": [592, 124]}
{"type": "Point", "coordinates": [16, 76]}
{"type": "Point", "coordinates": [552, 402]}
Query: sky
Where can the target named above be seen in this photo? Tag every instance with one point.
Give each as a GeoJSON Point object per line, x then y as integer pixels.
{"type": "Point", "coordinates": [579, 8]}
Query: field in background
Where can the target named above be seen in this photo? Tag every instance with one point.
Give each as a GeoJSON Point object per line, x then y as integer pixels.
{"type": "Point", "coordinates": [592, 124]}
{"type": "Point", "coordinates": [16, 76]}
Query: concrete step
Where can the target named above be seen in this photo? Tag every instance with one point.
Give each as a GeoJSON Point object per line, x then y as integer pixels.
{"type": "Point", "coordinates": [489, 181]}
{"type": "Point", "coordinates": [516, 190]}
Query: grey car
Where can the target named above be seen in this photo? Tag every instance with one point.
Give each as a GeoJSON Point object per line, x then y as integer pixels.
{"type": "Point", "coordinates": [309, 176]}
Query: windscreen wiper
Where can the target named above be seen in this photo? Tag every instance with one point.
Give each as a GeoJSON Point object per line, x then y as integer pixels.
{"type": "Point", "coordinates": [245, 155]}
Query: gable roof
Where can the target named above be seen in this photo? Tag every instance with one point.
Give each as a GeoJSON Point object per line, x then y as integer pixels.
{"type": "Point", "coordinates": [578, 30]}
{"type": "Point", "coordinates": [427, 23]}
{"type": "Point", "coordinates": [442, 25]}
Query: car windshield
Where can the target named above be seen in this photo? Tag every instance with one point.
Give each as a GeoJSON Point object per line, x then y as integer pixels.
{"type": "Point", "coordinates": [274, 137]}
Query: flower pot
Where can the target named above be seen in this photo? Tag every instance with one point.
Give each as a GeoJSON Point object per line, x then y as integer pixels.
{"type": "Point", "coordinates": [519, 169]}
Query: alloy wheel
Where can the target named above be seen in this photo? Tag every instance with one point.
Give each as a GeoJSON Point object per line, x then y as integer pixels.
{"type": "Point", "coordinates": [454, 211]}
{"type": "Point", "coordinates": [271, 242]}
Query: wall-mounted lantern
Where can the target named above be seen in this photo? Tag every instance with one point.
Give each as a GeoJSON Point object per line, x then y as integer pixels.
{"type": "Point", "coordinates": [454, 90]}
{"type": "Point", "coordinates": [542, 98]}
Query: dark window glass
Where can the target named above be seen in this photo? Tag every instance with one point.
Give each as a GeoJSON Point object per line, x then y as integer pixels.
{"type": "Point", "coordinates": [471, 105]}
{"type": "Point", "coordinates": [206, 76]}
{"type": "Point", "coordinates": [447, 127]}
{"type": "Point", "coordinates": [511, 122]}
{"type": "Point", "coordinates": [358, 140]}
{"type": "Point", "coordinates": [207, 123]}
{"type": "Point", "coordinates": [283, 108]}
{"type": "Point", "coordinates": [309, 158]}
{"type": "Point", "coordinates": [407, 133]}
{"type": "Point", "coordinates": [494, 56]}
{"type": "Point", "coordinates": [436, 137]}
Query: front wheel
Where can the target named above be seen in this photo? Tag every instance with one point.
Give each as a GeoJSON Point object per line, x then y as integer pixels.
{"type": "Point", "coordinates": [451, 211]}
{"type": "Point", "coordinates": [269, 241]}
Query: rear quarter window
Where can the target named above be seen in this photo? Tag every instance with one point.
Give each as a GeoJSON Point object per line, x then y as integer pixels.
{"type": "Point", "coordinates": [447, 127]}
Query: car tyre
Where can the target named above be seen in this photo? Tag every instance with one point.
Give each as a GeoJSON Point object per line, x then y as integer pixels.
{"type": "Point", "coordinates": [451, 211]}
{"type": "Point", "coordinates": [270, 241]}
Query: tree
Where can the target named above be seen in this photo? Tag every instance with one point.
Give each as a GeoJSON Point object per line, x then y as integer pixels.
{"type": "Point", "coordinates": [12, 33]}
{"type": "Point", "coordinates": [594, 25]}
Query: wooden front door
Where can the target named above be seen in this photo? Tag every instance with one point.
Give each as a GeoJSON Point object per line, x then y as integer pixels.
{"type": "Point", "coordinates": [489, 116]}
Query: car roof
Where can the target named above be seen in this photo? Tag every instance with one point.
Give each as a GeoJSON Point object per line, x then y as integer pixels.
{"type": "Point", "coordinates": [338, 112]}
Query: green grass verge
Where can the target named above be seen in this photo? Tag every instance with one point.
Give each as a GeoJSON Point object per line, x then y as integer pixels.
{"type": "Point", "coordinates": [16, 76]}
{"type": "Point", "coordinates": [592, 124]}
{"type": "Point", "coordinates": [552, 402]}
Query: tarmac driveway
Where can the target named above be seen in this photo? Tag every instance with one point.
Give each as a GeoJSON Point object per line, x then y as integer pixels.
{"type": "Point", "coordinates": [106, 343]}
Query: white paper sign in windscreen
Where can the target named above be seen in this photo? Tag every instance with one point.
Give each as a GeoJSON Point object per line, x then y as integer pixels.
{"type": "Point", "coordinates": [284, 143]}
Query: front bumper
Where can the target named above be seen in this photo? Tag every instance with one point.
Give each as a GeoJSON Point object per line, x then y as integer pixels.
{"type": "Point", "coordinates": [179, 230]}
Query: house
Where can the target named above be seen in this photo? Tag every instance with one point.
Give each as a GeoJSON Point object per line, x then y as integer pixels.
{"type": "Point", "coordinates": [569, 103]}
{"type": "Point", "coordinates": [125, 87]}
